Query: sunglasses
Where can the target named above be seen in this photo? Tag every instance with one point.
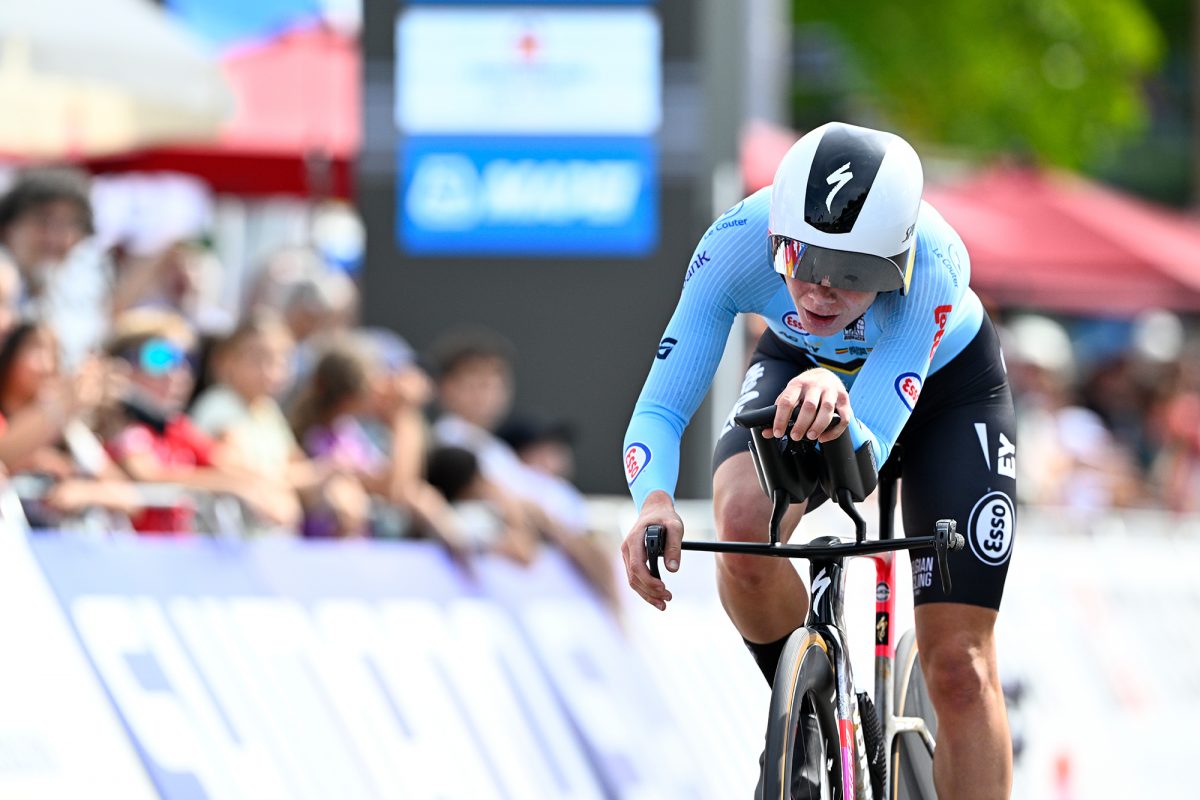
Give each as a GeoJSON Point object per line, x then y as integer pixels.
{"type": "Point", "coordinates": [161, 356]}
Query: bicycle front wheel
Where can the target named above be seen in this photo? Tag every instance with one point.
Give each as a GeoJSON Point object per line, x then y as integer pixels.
{"type": "Point", "coordinates": [803, 759]}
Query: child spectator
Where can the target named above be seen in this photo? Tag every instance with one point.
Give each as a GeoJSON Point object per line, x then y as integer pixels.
{"type": "Point", "coordinates": [158, 444]}
{"type": "Point", "coordinates": [250, 367]}
{"type": "Point", "coordinates": [488, 521]}
{"type": "Point", "coordinates": [325, 418]}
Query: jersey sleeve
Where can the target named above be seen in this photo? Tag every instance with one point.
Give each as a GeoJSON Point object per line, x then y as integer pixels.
{"type": "Point", "coordinates": [728, 273]}
{"type": "Point", "coordinates": [889, 385]}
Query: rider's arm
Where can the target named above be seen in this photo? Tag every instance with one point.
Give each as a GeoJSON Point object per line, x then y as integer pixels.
{"type": "Point", "coordinates": [729, 273]}
{"type": "Point", "coordinates": [890, 382]}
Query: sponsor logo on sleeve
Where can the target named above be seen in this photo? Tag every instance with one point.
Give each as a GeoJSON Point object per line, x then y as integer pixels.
{"type": "Point", "coordinates": [940, 315]}
{"type": "Point", "coordinates": [665, 347]}
{"type": "Point", "coordinates": [908, 386]}
{"type": "Point", "coordinates": [697, 262]}
{"type": "Point", "coordinates": [637, 456]}
{"type": "Point", "coordinates": [990, 532]}
{"type": "Point", "coordinates": [727, 220]}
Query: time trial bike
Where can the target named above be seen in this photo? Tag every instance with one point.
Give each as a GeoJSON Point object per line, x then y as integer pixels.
{"type": "Point", "coordinates": [824, 740]}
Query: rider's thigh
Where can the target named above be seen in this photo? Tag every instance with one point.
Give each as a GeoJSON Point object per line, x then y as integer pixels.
{"type": "Point", "coordinates": [740, 507]}
{"type": "Point", "coordinates": [957, 646]}
{"type": "Point", "coordinates": [743, 514]}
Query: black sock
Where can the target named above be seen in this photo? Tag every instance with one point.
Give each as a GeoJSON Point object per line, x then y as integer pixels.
{"type": "Point", "coordinates": [767, 656]}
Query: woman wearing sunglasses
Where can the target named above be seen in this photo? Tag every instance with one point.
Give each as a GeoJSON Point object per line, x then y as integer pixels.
{"type": "Point", "coordinates": [865, 291]}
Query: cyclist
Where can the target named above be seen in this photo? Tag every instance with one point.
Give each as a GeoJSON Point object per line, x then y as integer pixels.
{"type": "Point", "coordinates": [864, 288]}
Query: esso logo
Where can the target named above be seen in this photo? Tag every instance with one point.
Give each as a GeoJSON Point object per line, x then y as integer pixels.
{"type": "Point", "coordinates": [908, 386]}
{"type": "Point", "coordinates": [991, 528]}
{"type": "Point", "coordinates": [637, 456]}
{"type": "Point", "coordinates": [792, 320]}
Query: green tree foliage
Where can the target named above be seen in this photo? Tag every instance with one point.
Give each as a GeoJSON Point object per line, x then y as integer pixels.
{"type": "Point", "coordinates": [1058, 80]}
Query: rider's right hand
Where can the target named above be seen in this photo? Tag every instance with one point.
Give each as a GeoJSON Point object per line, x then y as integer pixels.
{"type": "Point", "coordinates": [658, 509]}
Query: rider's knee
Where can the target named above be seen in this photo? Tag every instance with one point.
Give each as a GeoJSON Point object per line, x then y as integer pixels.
{"type": "Point", "coordinates": [740, 518]}
{"type": "Point", "coordinates": [959, 674]}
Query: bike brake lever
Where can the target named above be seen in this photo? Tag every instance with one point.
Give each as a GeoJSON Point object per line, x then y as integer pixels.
{"type": "Point", "coordinates": [948, 538]}
{"type": "Point", "coordinates": [656, 543]}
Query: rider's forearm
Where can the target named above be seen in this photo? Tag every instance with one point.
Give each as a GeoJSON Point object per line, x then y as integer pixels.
{"type": "Point", "coordinates": [651, 454]}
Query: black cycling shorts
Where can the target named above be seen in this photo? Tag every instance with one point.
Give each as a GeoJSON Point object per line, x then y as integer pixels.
{"type": "Point", "coordinates": [958, 461]}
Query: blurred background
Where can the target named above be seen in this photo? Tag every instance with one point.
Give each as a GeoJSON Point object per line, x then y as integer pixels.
{"type": "Point", "coordinates": [321, 322]}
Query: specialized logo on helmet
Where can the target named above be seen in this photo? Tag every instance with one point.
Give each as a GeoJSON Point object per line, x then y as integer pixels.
{"type": "Point", "coordinates": [841, 177]}
{"type": "Point", "coordinates": [908, 386]}
{"type": "Point", "coordinates": [836, 210]}
{"type": "Point", "coordinates": [636, 459]}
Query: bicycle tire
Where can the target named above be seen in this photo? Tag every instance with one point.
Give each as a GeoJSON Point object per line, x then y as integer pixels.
{"type": "Point", "coordinates": [912, 766]}
{"type": "Point", "coordinates": [803, 758]}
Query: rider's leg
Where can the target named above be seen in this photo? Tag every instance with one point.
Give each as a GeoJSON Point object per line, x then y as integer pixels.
{"type": "Point", "coordinates": [764, 597]}
{"type": "Point", "coordinates": [958, 657]}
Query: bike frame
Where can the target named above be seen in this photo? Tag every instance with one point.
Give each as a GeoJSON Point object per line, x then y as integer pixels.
{"type": "Point", "coordinates": [826, 616]}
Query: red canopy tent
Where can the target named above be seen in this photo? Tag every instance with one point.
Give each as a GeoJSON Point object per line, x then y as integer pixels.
{"type": "Point", "coordinates": [1057, 241]}
{"type": "Point", "coordinates": [297, 127]}
{"type": "Point", "coordinates": [1050, 240]}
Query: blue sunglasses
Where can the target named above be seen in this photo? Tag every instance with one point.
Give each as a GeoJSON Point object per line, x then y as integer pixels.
{"type": "Point", "coordinates": [160, 356]}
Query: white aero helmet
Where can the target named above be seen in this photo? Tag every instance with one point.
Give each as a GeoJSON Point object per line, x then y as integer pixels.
{"type": "Point", "coordinates": [844, 209]}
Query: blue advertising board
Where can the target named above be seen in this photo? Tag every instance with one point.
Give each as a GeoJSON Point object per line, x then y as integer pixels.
{"type": "Point", "coordinates": [527, 195]}
{"type": "Point", "coordinates": [374, 669]}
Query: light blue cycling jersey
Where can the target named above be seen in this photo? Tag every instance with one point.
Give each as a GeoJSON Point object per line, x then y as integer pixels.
{"type": "Point", "coordinates": [883, 357]}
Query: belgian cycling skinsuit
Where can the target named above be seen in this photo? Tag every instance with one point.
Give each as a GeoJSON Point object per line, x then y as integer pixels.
{"type": "Point", "coordinates": [923, 370]}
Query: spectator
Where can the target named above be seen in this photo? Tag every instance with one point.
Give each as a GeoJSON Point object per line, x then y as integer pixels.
{"type": "Point", "coordinates": [475, 391]}
{"type": "Point", "coordinates": [45, 219]}
{"type": "Point", "coordinates": [179, 278]}
{"type": "Point", "coordinates": [488, 520]}
{"type": "Point", "coordinates": [544, 446]}
{"type": "Point", "coordinates": [10, 294]}
{"type": "Point", "coordinates": [158, 444]}
{"type": "Point", "coordinates": [240, 412]}
{"type": "Point", "coordinates": [42, 435]}
{"type": "Point", "coordinates": [325, 418]}
{"type": "Point", "coordinates": [1175, 425]}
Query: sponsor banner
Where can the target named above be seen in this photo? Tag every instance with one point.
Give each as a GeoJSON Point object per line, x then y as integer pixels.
{"type": "Point", "coordinates": [537, 196]}
{"type": "Point", "coordinates": [59, 736]}
{"type": "Point", "coordinates": [310, 669]}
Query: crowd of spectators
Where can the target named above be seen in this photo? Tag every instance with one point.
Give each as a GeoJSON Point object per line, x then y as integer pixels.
{"type": "Point", "coordinates": [129, 401]}
{"type": "Point", "coordinates": [1117, 428]}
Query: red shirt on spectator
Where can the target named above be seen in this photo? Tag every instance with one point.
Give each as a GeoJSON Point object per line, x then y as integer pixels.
{"type": "Point", "coordinates": [179, 445]}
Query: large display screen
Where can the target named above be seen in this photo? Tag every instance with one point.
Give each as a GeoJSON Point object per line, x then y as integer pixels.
{"type": "Point", "coordinates": [527, 130]}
